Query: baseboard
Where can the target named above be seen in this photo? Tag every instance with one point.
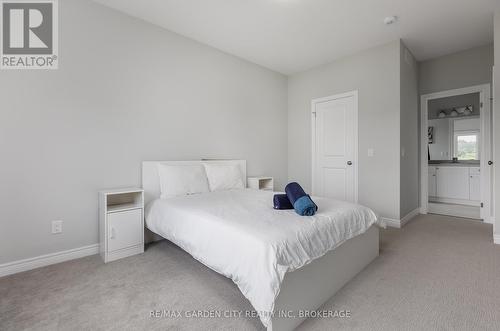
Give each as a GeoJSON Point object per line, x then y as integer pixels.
{"type": "Point", "coordinates": [410, 215]}
{"type": "Point", "coordinates": [395, 223]}
{"type": "Point", "coordinates": [392, 222]}
{"type": "Point", "coordinates": [489, 220]}
{"type": "Point", "coordinates": [48, 259]}
{"type": "Point", "coordinates": [496, 239]}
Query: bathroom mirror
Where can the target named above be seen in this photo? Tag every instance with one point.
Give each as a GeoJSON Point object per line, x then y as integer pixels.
{"type": "Point", "coordinates": [454, 128]}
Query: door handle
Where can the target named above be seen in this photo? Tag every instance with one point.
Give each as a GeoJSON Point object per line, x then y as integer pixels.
{"type": "Point", "coordinates": [490, 162]}
{"type": "Point", "coordinates": [349, 162]}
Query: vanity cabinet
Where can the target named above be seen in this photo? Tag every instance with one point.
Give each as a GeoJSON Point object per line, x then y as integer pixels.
{"type": "Point", "coordinates": [454, 184]}
{"type": "Point", "coordinates": [474, 184]}
{"type": "Point", "coordinates": [432, 182]}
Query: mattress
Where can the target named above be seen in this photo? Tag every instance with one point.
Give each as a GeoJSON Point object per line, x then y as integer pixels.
{"type": "Point", "coordinates": [238, 234]}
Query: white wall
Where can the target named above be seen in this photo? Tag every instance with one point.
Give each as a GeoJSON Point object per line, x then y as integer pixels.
{"type": "Point", "coordinates": [496, 125]}
{"type": "Point", "coordinates": [375, 74]}
{"type": "Point", "coordinates": [467, 68]}
{"type": "Point", "coordinates": [126, 91]}
{"type": "Point", "coordinates": [408, 132]}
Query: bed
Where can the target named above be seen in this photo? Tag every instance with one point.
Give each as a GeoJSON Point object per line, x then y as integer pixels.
{"type": "Point", "coordinates": [282, 263]}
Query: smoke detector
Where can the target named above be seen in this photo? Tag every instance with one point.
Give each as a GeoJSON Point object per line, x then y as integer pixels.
{"type": "Point", "coordinates": [390, 20]}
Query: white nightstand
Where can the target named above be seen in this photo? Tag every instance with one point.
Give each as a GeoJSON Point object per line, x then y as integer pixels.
{"type": "Point", "coordinates": [121, 223]}
{"type": "Point", "coordinates": [261, 183]}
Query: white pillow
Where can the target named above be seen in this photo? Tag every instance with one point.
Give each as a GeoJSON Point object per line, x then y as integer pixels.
{"type": "Point", "coordinates": [223, 177]}
{"type": "Point", "coordinates": [177, 180]}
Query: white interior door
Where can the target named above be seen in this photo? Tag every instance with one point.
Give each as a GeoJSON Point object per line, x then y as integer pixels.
{"type": "Point", "coordinates": [335, 147]}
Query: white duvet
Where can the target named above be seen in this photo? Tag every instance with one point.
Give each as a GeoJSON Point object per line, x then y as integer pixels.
{"type": "Point", "coordinates": [238, 234]}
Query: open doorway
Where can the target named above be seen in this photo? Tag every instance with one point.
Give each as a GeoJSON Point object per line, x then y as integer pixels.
{"type": "Point", "coordinates": [456, 153]}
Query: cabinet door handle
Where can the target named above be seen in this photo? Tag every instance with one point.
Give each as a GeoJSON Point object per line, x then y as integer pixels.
{"type": "Point", "coordinates": [112, 234]}
{"type": "Point", "coordinates": [490, 162]}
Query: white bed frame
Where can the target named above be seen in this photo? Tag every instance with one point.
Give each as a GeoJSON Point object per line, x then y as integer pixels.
{"type": "Point", "coordinates": [309, 287]}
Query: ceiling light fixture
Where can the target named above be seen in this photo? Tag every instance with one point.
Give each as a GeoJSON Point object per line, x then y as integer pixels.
{"type": "Point", "coordinates": [390, 20]}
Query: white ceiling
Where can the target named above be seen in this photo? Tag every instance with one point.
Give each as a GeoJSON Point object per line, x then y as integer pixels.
{"type": "Point", "coordinates": [294, 35]}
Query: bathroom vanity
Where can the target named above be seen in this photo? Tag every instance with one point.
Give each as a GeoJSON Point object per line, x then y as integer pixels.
{"type": "Point", "coordinates": [458, 183]}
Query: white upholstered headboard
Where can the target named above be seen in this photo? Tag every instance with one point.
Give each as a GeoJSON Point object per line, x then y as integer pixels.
{"type": "Point", "coordinates": [151, 180]}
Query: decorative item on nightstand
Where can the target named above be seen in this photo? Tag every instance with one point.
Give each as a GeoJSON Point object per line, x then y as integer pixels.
{"type": "Point", "coordinates": [121, 223]}
{"type": "Point", "coordinates": [261, 183]}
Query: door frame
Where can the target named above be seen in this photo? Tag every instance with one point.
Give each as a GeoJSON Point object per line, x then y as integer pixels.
{"type": "Point", "coordinates": [486, 145]}
{"type": "Point", "coordinates": [314, 102]}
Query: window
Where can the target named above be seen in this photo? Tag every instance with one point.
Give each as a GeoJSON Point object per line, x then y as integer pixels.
{"type": "Point", "coordinates": [466, 145]}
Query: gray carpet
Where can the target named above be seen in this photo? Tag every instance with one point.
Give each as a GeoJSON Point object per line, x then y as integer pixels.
{"type": "Point", "coordinates": [437, 273]}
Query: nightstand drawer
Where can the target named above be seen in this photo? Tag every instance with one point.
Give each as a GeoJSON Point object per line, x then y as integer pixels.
{"type": "Point", "coordinates": [124, 229]}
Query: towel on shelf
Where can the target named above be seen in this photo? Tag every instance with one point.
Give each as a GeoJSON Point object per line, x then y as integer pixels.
{"type": "Point", "coordinates": [302, 202]}
{"type": "Point", "coordinates": [281, 202]}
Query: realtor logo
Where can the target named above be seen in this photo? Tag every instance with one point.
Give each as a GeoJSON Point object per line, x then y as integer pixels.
{"type": "Point", "coordinates": [29, 34]}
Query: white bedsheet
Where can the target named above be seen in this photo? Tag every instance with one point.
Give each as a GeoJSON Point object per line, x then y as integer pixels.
{"type": "Point", "coordinates": [238, 234]}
